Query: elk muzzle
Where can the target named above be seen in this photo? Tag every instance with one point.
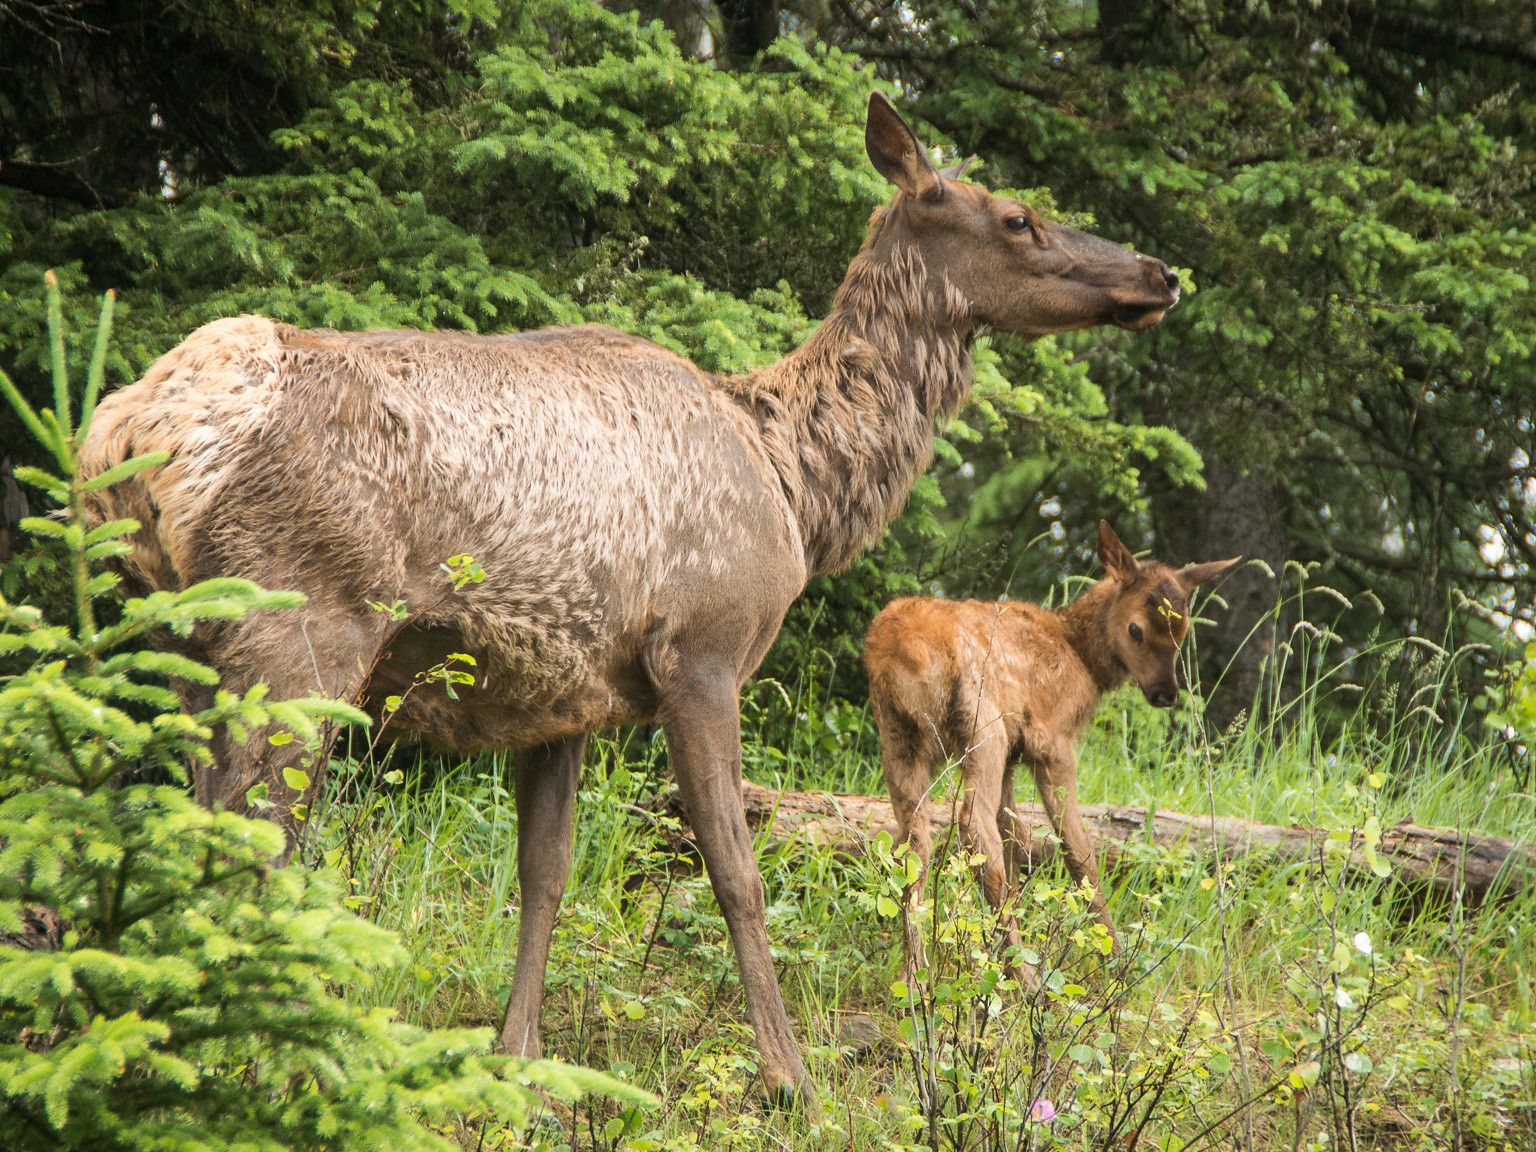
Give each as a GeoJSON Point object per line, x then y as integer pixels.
{"type": "Point", "coordinates": [1147, 299]}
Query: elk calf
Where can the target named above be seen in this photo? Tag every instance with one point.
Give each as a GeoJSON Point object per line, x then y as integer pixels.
{"type": "Point", "coordinates": [989, 684]}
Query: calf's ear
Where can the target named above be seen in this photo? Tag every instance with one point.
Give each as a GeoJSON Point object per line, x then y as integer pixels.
{"type": "Point", "coordinates": [1116, 557]}
{"type": "Point", "coordinates": [1195, 575]}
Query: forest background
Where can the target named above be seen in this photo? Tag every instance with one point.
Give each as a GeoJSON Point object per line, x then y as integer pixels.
{"type": "Point", "coordinates": [1346, 394]}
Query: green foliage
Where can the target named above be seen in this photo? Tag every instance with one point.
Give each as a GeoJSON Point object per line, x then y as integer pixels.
{"type": "Point", "coordinates": [180, 991]}
{"type": "Point", "coordinates": [499, 168]}
{"type": "Point", "coordinates": [1228, 988]}
{"type": "Point", "coordinates": [1352, 191]}
{"type": "Point", "coordinates": [1514, 704]}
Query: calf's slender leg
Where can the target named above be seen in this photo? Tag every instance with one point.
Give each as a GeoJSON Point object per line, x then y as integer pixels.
{"type": "Point", "coordinates": [544, 783]}
{"type": "Point", "coordinates": [1015, 834]}
{"type": "Point", "coordinates": [1056, 777]}
{"type": "Point", "coordinates": [700, 715]}
{"type": "Point", "coordinates": [980, 821]}
{"type": "Point", "coordinates": [905, 764]}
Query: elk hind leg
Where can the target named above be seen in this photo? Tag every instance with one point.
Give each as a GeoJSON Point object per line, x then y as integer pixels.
{"type": "Point", "coordinates": [907, 771]}
{"type": "Point", "coordinates": [1017, 839]}
{"type": "Point", "coordinates": [980, 823]}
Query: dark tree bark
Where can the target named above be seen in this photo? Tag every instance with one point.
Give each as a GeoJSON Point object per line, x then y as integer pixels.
{"type": "Point", "coordinates": [1239, 513]}
{"type": "Point", "coordinates": [749, 26]}
{"type": "Point", "coordinates": [1123, 27]}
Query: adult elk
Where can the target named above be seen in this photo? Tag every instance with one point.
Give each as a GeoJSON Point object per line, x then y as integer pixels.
{"type": "Point", "coordinates": [989, 684]}
{"type": "Point", "coordinates": [644, 525]}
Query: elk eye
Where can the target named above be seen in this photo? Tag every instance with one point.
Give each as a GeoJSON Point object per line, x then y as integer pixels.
{"type": "Point", "coordinates": [1136, 633]}
{"type": "Point", "coordinates": [1017, 224]}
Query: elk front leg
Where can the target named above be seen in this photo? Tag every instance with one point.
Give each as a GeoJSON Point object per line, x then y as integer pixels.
{"type": "Point", "coordinates": [1056, 777]}
{"type": "Point", "coordinates": [322, 650]}
{"type": "Point", "coordinates": [699, 714]}
{"type": "Point", "coordinates": [544, 783]}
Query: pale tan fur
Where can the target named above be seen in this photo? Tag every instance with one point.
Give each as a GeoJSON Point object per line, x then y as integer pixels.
{"type": "Point", "coordinates": [991, 684]}
{"type": "Point", "coordinates": [643, 524]}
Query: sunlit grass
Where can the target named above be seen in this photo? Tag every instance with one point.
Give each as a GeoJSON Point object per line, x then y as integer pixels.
{"type": "Point", "coordinates": [642, 978]}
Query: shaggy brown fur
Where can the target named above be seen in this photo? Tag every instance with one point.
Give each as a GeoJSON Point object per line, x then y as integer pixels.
{"type": "Point", "coordinates": [643, 525]}
{"type": "Point", "coordinates": [988, 684]}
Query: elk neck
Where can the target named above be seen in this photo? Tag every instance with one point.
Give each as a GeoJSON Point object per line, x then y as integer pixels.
{"type": "Point", "coordinates": [1085, 621]}
{"type": "Point", "coordinates": [847, 419]}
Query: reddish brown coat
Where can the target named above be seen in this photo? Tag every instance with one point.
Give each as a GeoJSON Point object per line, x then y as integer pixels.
{"type": "Point", "coordinates": [988, 684]}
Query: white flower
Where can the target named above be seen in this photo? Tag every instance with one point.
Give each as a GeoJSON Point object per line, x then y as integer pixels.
{"type": "Point", "coordinates": [1363, 943]}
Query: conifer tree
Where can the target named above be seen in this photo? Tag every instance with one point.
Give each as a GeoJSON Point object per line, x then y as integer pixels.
{"type": "Point", "coordinates": [183, 993]}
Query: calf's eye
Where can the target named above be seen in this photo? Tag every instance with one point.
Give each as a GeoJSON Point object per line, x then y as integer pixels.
{"type": "Point", "coordinates": [1017, 224]}
{"type": "Point", "coordinates": [1136, 633]}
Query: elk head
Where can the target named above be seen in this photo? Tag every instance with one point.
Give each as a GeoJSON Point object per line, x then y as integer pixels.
{"type": "Point", "coordinates": [1147, 618]}
{"type": "Point", "coordinates": [1017, 271]}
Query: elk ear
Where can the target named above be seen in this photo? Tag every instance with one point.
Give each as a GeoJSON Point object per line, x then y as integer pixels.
{"type": "Point", "coordinates": [895, 152]}
{"type": "Point", "coordinates": [1194, 575]}
{"type": "Point", "coordinates": [1117, 558]}
{"type": "Point", "coordinates": [958, 171]}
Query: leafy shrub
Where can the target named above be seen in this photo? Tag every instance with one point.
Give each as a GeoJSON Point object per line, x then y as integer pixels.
{"type": "Point", "coordinates": [182, 993]}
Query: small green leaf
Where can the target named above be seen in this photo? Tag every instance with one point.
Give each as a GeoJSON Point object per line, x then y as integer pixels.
{"type": "Point", "coordinates": [1358, 1063]}
{"type": "Point", "coordinates": [296, 778]}
{"type": "Point", "coordinates": [1305, 1075]}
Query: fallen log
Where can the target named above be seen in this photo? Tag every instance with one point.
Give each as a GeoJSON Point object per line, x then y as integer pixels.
{"type": "Point", "coordinates": [1445, 861]}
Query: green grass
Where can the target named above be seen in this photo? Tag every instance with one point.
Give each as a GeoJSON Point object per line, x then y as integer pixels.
{"type": "Point", "coordinates": [1227, 978]}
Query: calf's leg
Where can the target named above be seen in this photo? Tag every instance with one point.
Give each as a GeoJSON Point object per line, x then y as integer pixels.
{"type": "Point", "coordinates": [1015, 834]}
{"type": "Point", "coordinates": [1056, 777]}
{"type": "Point", "coordinates": [907, 771]}
{"type": "Point", "coordinates": [985, 767]}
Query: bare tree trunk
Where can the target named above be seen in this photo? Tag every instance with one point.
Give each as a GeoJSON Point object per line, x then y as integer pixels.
{"type": "Point", "coordinates": [749, 26]}
{"type": "Point", "coordinates": [1240, 512]}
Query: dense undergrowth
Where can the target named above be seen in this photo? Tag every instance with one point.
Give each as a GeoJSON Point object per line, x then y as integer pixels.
{"type": "Point", "coordinates": [1267, 1004]}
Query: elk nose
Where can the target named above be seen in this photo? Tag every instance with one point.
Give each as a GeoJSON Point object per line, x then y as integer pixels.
{"type": "Point", "coordinates": [1165, 698]}
{"type": "Point", "coordinates": [1170, 278]}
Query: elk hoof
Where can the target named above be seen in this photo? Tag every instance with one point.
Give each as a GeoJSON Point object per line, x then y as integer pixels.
{"type": "Point", "coordinates": [781, 1097]}
{"type": "Point", "coordinates": [799, 1098]}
